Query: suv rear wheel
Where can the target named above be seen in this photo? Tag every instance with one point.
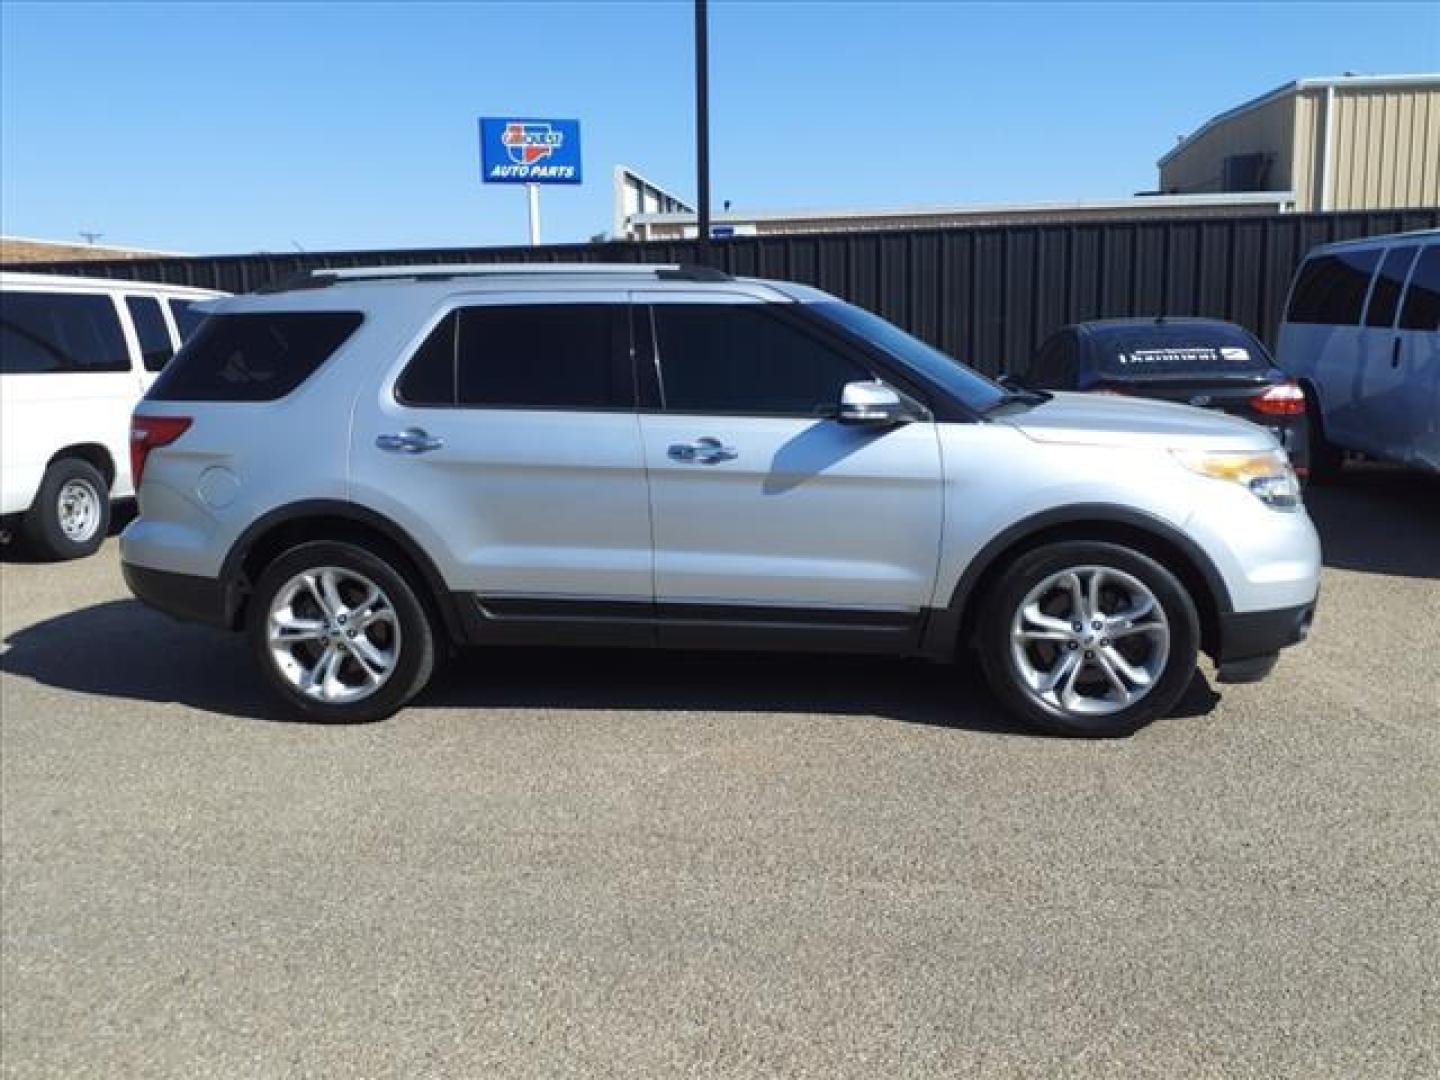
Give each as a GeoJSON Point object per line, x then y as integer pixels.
{"type": "Point", "coordinates": [71, 512]}
{"type": "Point", "coordinates": [340, 634]}
{"type": "Point", "coordinates": [1091, 639]}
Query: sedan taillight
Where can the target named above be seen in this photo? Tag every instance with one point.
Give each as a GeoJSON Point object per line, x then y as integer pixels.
{"type": "Point", "coordinates": [1282, 399]}
{"type": "Point", "coordinates": [149, 432]}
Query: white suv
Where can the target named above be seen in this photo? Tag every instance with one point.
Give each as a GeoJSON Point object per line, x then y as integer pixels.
{"type": "Point", "coordinates": [76, 354]}
{"type": "Point", "coordinates": [367, 467]}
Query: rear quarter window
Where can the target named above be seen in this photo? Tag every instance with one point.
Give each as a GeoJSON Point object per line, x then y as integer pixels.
{"type": "Point", "coordinates": [52, 333]}
{"type": "Point", "coordinates": [253, 356]}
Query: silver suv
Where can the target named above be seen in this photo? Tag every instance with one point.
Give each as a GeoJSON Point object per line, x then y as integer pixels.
{"type": "Point", "coordinates": [365, 468]}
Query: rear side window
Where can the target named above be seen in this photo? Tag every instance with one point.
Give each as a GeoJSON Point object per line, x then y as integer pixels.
{"type": "Point", "coordinates": [150, 328]}
{"type": "Point", "coordinates": [1332, 288]}
{"type": "Point", "coordinates": [187, 318]}
{"type": "Point", "coordinates": [526, 356]}
{"type": "Point", "coordinates": [1054, 365]}
{"type": "Point", "coordinates": [1385, 297]}
{"type": "Point", "coordinates": [43, 333]}
{"type": "Point", "coordinates": [256, 356]}
{"type": "Point", "coordinates": [739, 359]}
{"type": "Point", "coordinates": [1422, 298]}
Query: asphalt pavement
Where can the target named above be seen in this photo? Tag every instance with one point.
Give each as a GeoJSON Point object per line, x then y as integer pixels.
{"type": "Point", "coordinates": [619, 864]}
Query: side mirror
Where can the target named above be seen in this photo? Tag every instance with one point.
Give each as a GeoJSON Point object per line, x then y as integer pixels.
{"type": "Point", "coordinates": [1011, 382]}
{"type": "Point", "coordinates": [876, 403]}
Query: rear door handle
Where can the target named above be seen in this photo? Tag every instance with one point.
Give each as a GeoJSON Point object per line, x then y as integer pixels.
{"type": "Point", "coordinates": [1395, 352]}
{"type": "Point", "coordinates": [703, 451]}
{"type": "Point", "coordinates": [410, 441]}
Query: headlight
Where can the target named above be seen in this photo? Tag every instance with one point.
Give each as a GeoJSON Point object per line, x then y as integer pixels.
{"type": "Point", "coordinates": [1266, 475]}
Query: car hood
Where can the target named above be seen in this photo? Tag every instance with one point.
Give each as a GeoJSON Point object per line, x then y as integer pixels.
{"type": "Point", "coordinates": [1112, 420]}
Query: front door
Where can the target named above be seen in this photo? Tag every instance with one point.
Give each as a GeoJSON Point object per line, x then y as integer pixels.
{"type": "Point", "coordinates": [765, 507]}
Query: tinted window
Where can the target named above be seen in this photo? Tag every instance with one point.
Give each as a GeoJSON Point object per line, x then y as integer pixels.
{"type": "Point", "coordinates": [966, 384]}
{"type": "Point", "coordinates": [740, 358]}
{"type": "Point", "coordinates": [60, 332]}
{"type": "Point", "coordinates": [254, 356]}
{"type": "Point", "coordinates": [1332, 288]}
{"type": "Point", "coordinates": [1385, 297]}
{"type": "Point", "coordinates": [533, 356]}
{"type": "Point", "coordinates": [187, 318]}
{"type": "Point", "coordinates": [1422, 298]}
{"type": "Point", "coordinates": [1160, 350]}
{"type": "Point", "coordinates": [150, 328]}
{"type": "Point", "coordinates": [429, 378]}
{"type": "Point", "coordinates": [1054, 365]}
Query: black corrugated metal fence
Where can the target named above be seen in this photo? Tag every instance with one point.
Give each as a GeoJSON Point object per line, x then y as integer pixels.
{"type": "Point", "coordinates": [987, 295]}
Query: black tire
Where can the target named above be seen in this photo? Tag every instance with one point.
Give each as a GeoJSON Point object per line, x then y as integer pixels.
{"type": "Point", "coordinates": [1029, 571]}
{"type": "Point", "coordinates": [415, 651]}
{"type": "Point", "coordinates": [1326, 459]}
{"type": "Point", "coordinates": [45, 533]}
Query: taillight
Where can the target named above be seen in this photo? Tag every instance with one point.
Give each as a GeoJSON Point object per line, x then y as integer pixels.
{"type": "Point", "coordinates": [1282, 399]}
{"type": "Point", "coordinates": [148, 432]}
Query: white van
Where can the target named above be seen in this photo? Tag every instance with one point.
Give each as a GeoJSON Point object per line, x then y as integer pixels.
{"type": "Point", "coordinates": [76, 354]}
{"type": "Point", "coordinates": [1362, 335]}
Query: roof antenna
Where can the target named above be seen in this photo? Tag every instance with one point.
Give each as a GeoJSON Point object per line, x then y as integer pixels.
{"type": "Point", "coordinates": [91, 237]}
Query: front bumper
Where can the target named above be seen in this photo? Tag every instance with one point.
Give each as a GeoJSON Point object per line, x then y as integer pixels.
{"type": "Point", "coordinates": [1250, 641]}
{"type": "Point", "coordinates": [185, 596]}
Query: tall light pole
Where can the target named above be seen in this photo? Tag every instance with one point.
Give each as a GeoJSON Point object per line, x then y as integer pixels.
{"type": "Point", "coordinates": [702, 132]}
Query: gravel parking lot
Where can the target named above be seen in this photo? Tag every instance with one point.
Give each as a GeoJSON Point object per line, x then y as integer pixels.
{"type": "Point", "coordinates": [636, 865]}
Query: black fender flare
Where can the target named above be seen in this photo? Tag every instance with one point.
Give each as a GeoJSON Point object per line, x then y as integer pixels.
{"type": "Point", "coordinates": [946, 625]}
{"type": "Point", "coordinates": [236, 586]}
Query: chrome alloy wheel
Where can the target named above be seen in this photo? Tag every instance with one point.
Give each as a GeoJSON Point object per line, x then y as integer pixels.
{"type": "Point", "coordinates": [333, 634]}
{"type": "Point", "coordinates": [78, 510]}
{"type": "Point", "coordinates": [1089, 641]}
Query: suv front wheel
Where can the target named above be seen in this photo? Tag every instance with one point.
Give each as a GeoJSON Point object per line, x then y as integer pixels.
{"type": "Point", "coordinates": [339, 633]}
{"type": "Point", "coordinates": [1091, 639]}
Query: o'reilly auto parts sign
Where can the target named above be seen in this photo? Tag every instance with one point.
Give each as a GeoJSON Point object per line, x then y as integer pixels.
{"type": "Point", "coordinates": [519, 151]}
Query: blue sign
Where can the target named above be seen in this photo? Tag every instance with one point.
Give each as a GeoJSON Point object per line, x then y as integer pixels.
{"type": "Point", "coordinates": [514, 151]}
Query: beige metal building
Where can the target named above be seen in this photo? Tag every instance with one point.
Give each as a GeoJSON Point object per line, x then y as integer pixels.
{"type": "Point", "coordinates": [1354, 142]}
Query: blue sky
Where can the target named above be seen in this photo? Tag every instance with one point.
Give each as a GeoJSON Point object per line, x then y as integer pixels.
{"type": "Point", "coordinates": [207, 128]}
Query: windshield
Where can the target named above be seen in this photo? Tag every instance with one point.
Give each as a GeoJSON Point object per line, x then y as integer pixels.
{"type": "Point", "coordinates": [1157, 351]}
{"type": "Point", "coordinates": [972, 388]}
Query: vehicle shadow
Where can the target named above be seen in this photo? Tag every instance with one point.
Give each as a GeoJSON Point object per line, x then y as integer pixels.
{"type": "Point", "coordinates": [1379, 519]}
{"type": "Point", "coordinates": [122, 649]}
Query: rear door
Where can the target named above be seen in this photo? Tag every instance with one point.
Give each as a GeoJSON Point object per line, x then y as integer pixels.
{"type": "Point", "coordinates": [510, 446]}
{"type": "Point", "coordinates": [767, 510]}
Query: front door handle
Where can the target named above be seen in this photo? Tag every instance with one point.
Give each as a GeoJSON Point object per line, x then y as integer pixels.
{"type": "Point", "coordinates": [703, 451]}
{"type": "Point", "coordinates": [410, 441]}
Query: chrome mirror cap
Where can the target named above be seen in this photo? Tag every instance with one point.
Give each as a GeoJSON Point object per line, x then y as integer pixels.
{"type": "Point", "coordinates": [874, 402]}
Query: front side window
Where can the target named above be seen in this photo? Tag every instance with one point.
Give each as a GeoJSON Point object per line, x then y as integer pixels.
{"type": "Point", "coordinates": [1332, 288]}
{"type": "Point", "coordinates": [1422, 298]}
{"type": "Point", "coordinates": [525, 356]}
{"type": "Point", "coordinates": [150, 329]}
{"type": "Point", "coordinates": [253, 356]}
{"type": "Point", "coordinates": [741, 359]}
{"type": "Point", "coordinates": [43, 333]}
